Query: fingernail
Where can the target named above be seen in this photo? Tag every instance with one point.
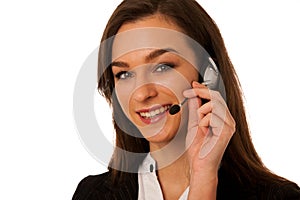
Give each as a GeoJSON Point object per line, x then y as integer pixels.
{"type": "Point", "coordinates": [188, 93]}
{"type": "Point", "coordinates": [196, 83]}
{"type": "Point", "coordinates": [205, 82]}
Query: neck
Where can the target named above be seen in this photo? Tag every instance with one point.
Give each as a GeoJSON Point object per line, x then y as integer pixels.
{"type": "Point", "coordinates": [179, 169]}
{"type": "Point", "coordinates": [172, 165]}
{"type": "Point", "coordinates": [174, 178]}
{"type": "Point", "coordinates": [168, 154]}
{"type": "Point", "coordinates": [171, 158]}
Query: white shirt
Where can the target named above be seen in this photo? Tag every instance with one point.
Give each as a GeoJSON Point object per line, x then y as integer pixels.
{"type": "Point", "coordinates": [149, 187]}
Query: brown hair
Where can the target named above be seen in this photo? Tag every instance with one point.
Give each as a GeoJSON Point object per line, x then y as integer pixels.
{"type": "Point", "coordinates": [240, 160]}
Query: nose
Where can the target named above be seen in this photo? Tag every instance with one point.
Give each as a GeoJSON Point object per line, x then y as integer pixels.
{"type": "Point", "coordinates": [145, 92]}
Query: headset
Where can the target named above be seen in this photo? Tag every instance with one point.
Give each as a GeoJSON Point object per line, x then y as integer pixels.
{"type": "Point", "coordinates": [211, 78]}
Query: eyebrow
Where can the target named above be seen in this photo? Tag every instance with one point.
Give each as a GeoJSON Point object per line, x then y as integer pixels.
{"type": "Point", "coordinates": [158, 52]}
{"type": "Point", "coordinates": [154, 54]}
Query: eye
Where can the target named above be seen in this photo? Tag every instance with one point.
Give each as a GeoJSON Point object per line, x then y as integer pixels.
{"type": "Point", "coordinates": [123, 75]}
{"type": "Point", "coordinates": [164, 67]}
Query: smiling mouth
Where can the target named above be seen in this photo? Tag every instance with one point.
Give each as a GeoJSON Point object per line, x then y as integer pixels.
{"type": "Point", "coordinates": [153, 113]}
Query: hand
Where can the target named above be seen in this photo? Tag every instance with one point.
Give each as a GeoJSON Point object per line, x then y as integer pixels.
{"type": "Point", "coordinates": [210, 128]}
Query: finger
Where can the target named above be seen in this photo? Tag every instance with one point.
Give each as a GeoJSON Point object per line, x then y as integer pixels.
{"type": "Point", "coordinates": [215, 136]}
{"type": "Point", "coordinates": [194, 141]}
{"type": "Point", "coordinates": [217, 108]}
{"type": "Point", "coordinates": [196, 84]}
{"type": "Point", "coordinates": [210, 94]}
{"type": "Point", "coordinates": [205, 109]}
{"type": "Point", "coordinates": [204, 93]}
{"type": "Point", "coordinates": [197, 92]}
{"type": "Point", "coordinates": [193, 105]}
{"type": "Point", "coordinates": [208, 144]}
{"type": "Point", "coordinates": [213, 121]}
{"type": "Point", "coordinates": [215, 143]}
{"type": "Point", "coordinates": [212, 135]}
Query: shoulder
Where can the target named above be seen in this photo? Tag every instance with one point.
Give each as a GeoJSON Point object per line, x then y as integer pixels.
{"type": "Point", "coordinates": [231, 188]}
{"type": "Point", "coordinates": [101, 187]}
{"type": "Point", "coordinates": [280, 191]}
{"type": "Point", "coordinates": [268, 191]}
{"type": "Point", "coordinates": [87, 186]}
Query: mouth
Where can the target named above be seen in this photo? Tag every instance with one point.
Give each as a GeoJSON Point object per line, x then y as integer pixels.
{"type": "Point", "coordinates": [153, 114]}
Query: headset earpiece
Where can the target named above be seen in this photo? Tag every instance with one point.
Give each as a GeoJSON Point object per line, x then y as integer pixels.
{"type": "Point", "coordinates": [211, 75]}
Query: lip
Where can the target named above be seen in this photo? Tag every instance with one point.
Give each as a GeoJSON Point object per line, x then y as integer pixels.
{"type": "Point", "coordinates": [156, 118]}
{"type": "Point", "coordinates": [152, 108]}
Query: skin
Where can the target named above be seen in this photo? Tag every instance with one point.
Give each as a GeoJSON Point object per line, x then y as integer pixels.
{"type": "Point", "coordinates": [200, 173]}
{"type": "Point", "coordinates": [136, 93]}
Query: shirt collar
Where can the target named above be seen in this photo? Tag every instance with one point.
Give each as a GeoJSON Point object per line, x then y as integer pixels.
{"type": "Point", "coordinates": [148, 165]}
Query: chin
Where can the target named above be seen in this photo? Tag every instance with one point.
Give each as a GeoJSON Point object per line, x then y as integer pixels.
{"type": "Point", "coordinates": [166, 135]}
{"type": "Point", "coordinates": [161, 131]}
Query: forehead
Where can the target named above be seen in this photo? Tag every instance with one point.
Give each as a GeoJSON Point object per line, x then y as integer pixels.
{"type": "Point", "coordinates": [154, 38]}
{"type": "Point", "coordinates": [157, 20]}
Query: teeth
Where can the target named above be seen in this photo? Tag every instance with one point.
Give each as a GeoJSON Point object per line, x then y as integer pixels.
{"type": "Point", "coordinates": [154, 112]}
{"type": "Point", "coordinates": [161, 109]}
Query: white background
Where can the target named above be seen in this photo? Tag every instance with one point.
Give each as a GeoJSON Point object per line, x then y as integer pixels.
{"type": "Point", "coordinates": [44, 43]}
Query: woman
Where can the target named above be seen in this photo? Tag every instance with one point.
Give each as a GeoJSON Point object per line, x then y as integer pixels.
{"type": "Point", "coordinates": [204, 150]}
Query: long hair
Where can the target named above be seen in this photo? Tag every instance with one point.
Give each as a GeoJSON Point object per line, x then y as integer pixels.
{"type": "Point", "coordinates": [240, 160]}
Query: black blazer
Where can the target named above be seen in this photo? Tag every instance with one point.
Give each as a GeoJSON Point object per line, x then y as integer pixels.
{"type": "Point", "coordinates": [100, 187]}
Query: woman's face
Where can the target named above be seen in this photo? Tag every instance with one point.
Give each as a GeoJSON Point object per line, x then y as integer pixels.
{"type": "Point", "coordinates": [149, 80]}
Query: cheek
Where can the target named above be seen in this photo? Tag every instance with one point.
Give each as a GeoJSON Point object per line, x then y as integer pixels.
{"type": "Point", "coordinates": [123, 94]}
{"type": "Point", "coordinates": [171, 83]}
{"type": "Point", "coordinates": [176, 83]}
{"type": "Point", "coordinates": [190, 73]}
